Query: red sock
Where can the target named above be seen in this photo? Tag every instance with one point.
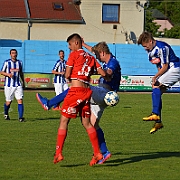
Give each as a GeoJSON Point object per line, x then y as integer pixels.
{"type": "Point", "coordinates": [61, 136]}
{"type": "Point", "coordinates": [94, 139]}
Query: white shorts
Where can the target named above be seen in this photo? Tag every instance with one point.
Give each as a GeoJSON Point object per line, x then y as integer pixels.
{"type": "Point", "coordinates": [11, 92]}
{"type": "Point", "coordinates": [170, 77]}
{"type": "Point", "coordinates": [97, 100]}
{"type": "Point", "coordinates": [60, 87]}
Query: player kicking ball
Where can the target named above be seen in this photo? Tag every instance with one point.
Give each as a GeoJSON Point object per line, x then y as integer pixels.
{"type": "Point", "coordinates": [168, 65]}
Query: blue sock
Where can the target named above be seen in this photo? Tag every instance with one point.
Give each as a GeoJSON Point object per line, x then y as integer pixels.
{"type": "Point", "coordinates": [57, 99]}
{"type": "Point", "coordinates": [20, 110]}
{"type": "Point", "coordinates": [6, 109]}
{"type": "Point", "coordinates": [101, 139]}
{"type": "Point", "coordinates": [160, 107]}
{"type": "Point", "coordinates": [156, 101]}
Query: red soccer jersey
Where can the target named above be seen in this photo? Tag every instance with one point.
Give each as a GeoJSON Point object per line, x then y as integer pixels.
{"type": "Point", "coordinates": [83, 65]}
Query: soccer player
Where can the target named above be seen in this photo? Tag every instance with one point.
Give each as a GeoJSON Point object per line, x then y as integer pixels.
{"type": "Point", "coordinates": [113, 71]}
{"type": "Point", "coordinates": [79, 67]}
{"type": "Point", "coordinates": [58, 70]}
{"type": "Point", "coordinates": [168, 65]}
{"type": "Point", "coordinates": [12, 70]}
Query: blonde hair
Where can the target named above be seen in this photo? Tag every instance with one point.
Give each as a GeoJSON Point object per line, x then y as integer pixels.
{"type": "Point", "coordinates": [101, 47]}
{"type": "Point", "coordinates": [145, 37]}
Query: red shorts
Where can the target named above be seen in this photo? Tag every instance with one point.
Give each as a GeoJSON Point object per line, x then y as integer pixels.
{"type": "Point", "coordinates": [77, 101]}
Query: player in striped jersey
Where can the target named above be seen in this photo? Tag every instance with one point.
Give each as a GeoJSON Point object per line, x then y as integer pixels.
{"type": "Point", "coordinates": [168, 65]}
{"type": "Point", "coordinates": [12, 70]}
{"type": "Point", "coordinates": [58, 70]}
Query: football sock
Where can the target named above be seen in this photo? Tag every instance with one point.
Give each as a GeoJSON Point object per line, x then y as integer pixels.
{"type": "Point", "coordinates": [156, 101]}
{"type": "Point", "coordinates": [101, 139]}
{"type": "Point", "coordinates": [57, 99]}
{"type": "Point", "coordinates": [61, 136]}
{"type": "Point", "coordinates": [160, 107]}
{"type": "Point", "coordinates": [20, 110]}
{"type": "Point", "coordinates": [94, 139]}
{"type": "Point", "coordinates": [6, 109]}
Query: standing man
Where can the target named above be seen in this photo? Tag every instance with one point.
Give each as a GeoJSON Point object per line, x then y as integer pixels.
{"type": "Point", "coordinates": [60, 83]}
{"type": "Point", "coordinates": [79, 67]}
{"type": "Point", "coordinates": [168, 65]}
{"type": "Point", "coordinates": [12, 70]}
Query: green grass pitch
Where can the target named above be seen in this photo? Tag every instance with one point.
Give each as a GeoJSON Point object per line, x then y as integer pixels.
{"type": "Point", "coordinates": [27, 149]}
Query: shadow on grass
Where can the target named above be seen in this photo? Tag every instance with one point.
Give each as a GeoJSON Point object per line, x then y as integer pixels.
{"type": "Point", "coordinates": [43, 119]}
{"type": "Point", "coordinates": [141, 157]}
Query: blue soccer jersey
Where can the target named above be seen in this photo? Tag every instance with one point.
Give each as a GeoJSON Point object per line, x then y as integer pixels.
{"type": "Point", "coordinates": [114, 65]}
{"type": "Point", "coordinates": [164, 52]}
{"type": "Point", "coordinates": [59, 66]}
{"type": "Point", "coordinates": [13, 67]}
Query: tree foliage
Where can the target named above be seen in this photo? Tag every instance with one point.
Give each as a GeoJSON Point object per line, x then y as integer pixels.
{"type": "Point", "coordinates": [171, 9]}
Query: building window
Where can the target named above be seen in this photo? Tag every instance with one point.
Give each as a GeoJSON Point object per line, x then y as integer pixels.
{"type": "Point", "coordinates": [58, 6]}
{"type": "Point", "coordinates": [110, 13]}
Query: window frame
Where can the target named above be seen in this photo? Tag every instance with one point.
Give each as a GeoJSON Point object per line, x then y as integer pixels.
{"type": "Point", "coordinates": [105, 19]}
{"type": "Point", "coordinates": [56, 4]}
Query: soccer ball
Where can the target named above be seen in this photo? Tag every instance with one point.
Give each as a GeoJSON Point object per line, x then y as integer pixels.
{"type": "Point", "coordinates": [111, 98]}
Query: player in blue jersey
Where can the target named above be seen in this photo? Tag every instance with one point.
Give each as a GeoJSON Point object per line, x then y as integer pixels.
{"type": "Point", "coordinates": [13, 72]}
{"type": "Point", "coordinates": [60, 83]}
{"type": "Point", "coordinates": [113, 70]}
{"type": "Point", "coordinates": [168, 65]}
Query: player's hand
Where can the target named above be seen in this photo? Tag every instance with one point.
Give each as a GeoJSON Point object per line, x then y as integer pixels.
{"type": "Point", "coordinates": [10, 75]}
{"type": "Point", "coordinates": [153, 81]}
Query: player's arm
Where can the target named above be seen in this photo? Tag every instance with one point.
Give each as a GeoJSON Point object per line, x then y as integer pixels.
{"type": "Point", "coordinates": [160, 72]}
{"type": "Point", "coordinates": [22, 77]}
{"type": "Point", "coordinates": [89, 48]}
{"type": "Point", "coordinates": [68, 72]}
{"type": "Point", "coordinates": [6, 74]}
{"type": "Point", "coordinates": [55, 72]}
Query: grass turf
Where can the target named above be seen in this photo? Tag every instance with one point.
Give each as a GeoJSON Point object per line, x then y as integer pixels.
{"type": "Point", "coordinates": [26, 149]}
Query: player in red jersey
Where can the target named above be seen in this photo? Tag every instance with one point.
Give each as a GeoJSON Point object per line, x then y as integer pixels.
{"type": "Point", "coordinates": [79, 67]}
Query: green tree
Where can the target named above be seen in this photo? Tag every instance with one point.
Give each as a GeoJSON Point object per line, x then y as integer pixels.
{"type": "Point", "coordinates": [171, 9]}
{"type": "Point", "coordinates": [149, 24]}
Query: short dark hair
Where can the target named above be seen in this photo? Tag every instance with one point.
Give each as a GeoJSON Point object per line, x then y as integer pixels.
{"type": "Point", "coordinates": [75, 36]}
{"type": "Point", "coordinates": [61, 51]}
{"type": "Point", "coordinates": [13, 50]}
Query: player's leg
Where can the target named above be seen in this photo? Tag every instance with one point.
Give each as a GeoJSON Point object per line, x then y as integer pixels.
{"type": "Point", "coordinates": [98, 95]}
{"type": "Point", "coordinates": [48, 104]}
{"type": "Point", "coordinates": [91, 131]}
{"type": "Point", "coordinates": [9, 96]}
{"type": "Point", "coordinates": [61, 137]}
{"type": "Point", "coordinates": [96, 113]}
{"type": "Point", "coordinates": [19, 98]}
{"type": "Point", "coordinates": [58, 90]}
{"type": "Point", "coordinates": [166, 80]}
{"type": "Point", "coordinates": [84, 111]}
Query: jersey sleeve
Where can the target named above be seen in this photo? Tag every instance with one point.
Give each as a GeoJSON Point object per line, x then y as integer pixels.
{"type": "Point", "coordinates": [4, 66]}
{"type": "Point", "coordinates": [71, 58]}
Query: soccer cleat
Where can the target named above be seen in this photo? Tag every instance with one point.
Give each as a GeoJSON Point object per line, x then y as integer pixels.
{"type": "Point", "coordinates": [95, 159]}
{"type": "Point", "coordinates": [58, 158]}
{"type": "Point", "coordinates": [156, 127]}
{"type": "Point", "coordinates": [21, 119]}
{"type": "Point", "coordinates": [106, 156]}
{"type": "Point", "coordinates": [58, 108]}
{"type": "Point", "coordinates": [152, 117]}
{"type": "Point", "coordinates": [6, 117]}
{"type": "Point", "coordinates": [42, 101]}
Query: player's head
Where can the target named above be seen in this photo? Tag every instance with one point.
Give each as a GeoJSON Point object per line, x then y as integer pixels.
{"type": "Point", "coordinates": [61, 54]}
{"type": "Point", "coordinates": [74, 41]}
{"type": "Point", "coordinates": [146, 40]}
{"type": "Point", "coordinates": [101, 49]}
{"type": "Point", "coordinates": [13, 54]}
